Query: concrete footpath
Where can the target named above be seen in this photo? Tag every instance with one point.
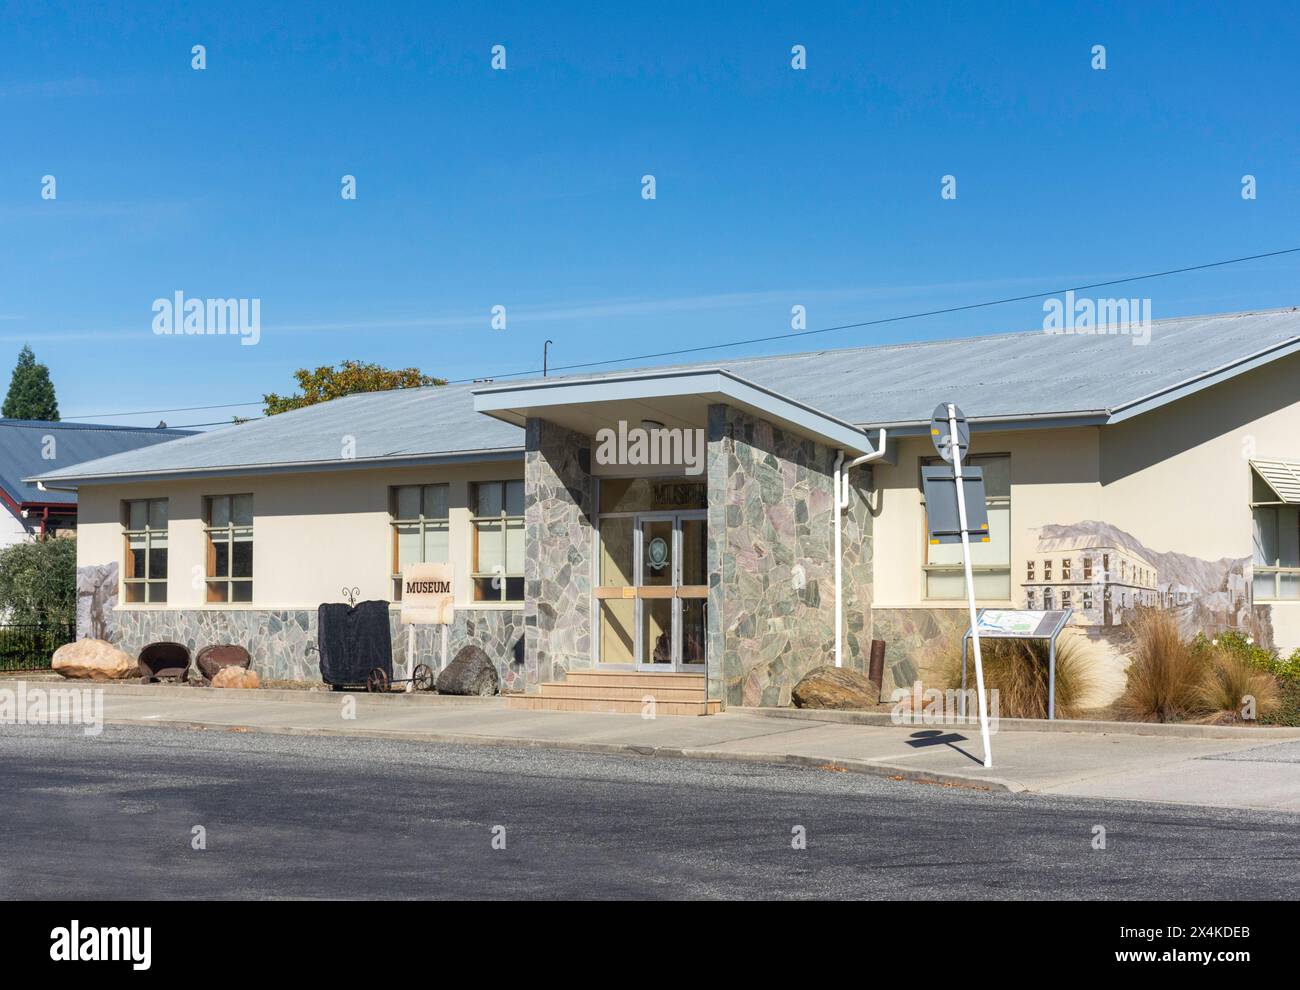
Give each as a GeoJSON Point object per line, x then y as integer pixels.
{"type": "Point", "coordinates": [1213, 766]}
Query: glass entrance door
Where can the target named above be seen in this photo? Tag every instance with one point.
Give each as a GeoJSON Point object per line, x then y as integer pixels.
{"type": "Point", "coordinates": [671, 591]}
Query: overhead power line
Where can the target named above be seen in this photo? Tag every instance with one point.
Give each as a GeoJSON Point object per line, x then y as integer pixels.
{"type": "Point", "coordinates": [789, 335]}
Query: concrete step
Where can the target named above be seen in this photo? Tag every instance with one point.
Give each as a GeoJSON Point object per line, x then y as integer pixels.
{"type": "Point", "coordinates": [623, 692]}
{"type": "Point", "coordinates": [562, 703]}
{"type": "Point", "coordinates": [623, 678]}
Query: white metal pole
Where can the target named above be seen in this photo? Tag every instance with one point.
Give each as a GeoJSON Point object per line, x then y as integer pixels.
{"type": "Point", "coordinates": [410, 657]}
{"type": "Point", "coordinates": [970, 582]}
{"type": "Point", "coordinates": [443, 666]}
{"type": "Point", "coordinates": [839, 576]}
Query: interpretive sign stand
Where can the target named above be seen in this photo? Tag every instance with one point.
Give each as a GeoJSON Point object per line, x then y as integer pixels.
{"type": "Point", "coordinates": [1011, 624]}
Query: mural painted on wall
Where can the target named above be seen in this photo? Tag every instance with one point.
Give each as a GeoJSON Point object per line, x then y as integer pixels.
{"type": "Point", "coordinates": [96, 600]}
{"type": "Point", "coordinates": [1105, 573]}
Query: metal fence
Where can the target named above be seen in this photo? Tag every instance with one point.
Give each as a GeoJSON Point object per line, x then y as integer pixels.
{"type": "Point", "coordinates": [30, 647]}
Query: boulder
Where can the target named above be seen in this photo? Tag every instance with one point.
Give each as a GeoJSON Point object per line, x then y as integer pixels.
{"type": "Point", "coordinates": [236, 677]}
{"type": "Point", "coordinates": [472, 672]}
{"type": "Point", "coordinates": [93, 660]}
{"type": "Point", "coordinates": [212, 659]}
{"type": "Point", "coordinates": [835, 687]}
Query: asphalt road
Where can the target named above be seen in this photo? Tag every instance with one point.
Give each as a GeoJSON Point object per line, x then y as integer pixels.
{"type": "Point", "coordinates": [301, 816]}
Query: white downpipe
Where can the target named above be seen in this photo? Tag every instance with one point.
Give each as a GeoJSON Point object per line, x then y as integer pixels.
{"type": "Point", "coordinates": [842, 503]}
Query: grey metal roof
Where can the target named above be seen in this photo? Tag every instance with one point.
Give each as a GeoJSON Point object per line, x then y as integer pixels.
{"type": "Point", "coordinates": [406, 425]}
{"type": "Point", "coordinates": [24, 451]}
{"type": "Point", "coordinates": [1009, 378]}
{"type": "Point", "coordinates": [1021, 375]}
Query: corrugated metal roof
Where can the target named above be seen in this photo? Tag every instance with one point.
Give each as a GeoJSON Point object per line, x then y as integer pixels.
{"type": "Point", "coordinates": [1282, 476]}
{"type": "Point", "coordinates": [1032, 374]}
{"type": "Point", "coordinates": [1007, 376]}
{"type": "Point", "coordinates": [403, 424]}
{"type": "Point", "coordinates": [24, 451]}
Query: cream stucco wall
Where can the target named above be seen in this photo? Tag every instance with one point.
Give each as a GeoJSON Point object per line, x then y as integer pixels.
{"type": "Point", "coordinates": [313, 534]}
{"type": "Point", "coordinates": [1177, 479]}
{"type": "Point", "coordinates": [1054, 478]}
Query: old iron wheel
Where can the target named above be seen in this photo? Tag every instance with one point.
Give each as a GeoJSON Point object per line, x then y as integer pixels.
{"type": "Point", "coordinates": [423, 677]}
{"type": "Point", "coordinates": [377, 681]}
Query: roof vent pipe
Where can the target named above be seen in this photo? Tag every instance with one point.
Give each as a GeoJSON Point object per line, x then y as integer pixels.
{"type": "Point", "coordinates": [841, 503]}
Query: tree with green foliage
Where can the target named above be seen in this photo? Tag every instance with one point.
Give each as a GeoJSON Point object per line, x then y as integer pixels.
{"type": "Point", "coordinates": [38, 581]}
{"type": "Point", "coordinates": [31, 393]}
{"type": "Point", "coordinates": [328, 382]}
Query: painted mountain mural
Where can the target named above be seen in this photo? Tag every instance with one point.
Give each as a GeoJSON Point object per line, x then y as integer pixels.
{"type": "Point", "coordinates": [1104, 573]}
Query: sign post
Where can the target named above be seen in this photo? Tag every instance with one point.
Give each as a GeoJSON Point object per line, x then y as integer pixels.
{"type": "Point", "coordinates": [951, 435]}
{"type": "Point", "coordinates": [428, 598]}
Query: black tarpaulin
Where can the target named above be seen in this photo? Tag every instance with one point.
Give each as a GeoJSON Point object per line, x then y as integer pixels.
{"type": "Point", "coordinates": [353, 641]}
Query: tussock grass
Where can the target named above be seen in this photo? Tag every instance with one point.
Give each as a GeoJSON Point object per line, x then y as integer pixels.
{"type": "Point", "coordinates": [1018, 670]}
{"type": "Point", "coordinates": [1167, 676]}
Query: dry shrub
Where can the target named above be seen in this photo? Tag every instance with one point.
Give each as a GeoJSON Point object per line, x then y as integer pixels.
{"type": "Point", "coordinates": [1018, 670]}
{"type": "Point", "coordinates": [1167, 676]}
{"type": "Point", "coordinates": [1230, 679]}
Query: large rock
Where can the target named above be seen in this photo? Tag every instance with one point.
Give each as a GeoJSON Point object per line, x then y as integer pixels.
{"type": "Point", "coordinates": [835, 687]}
{"type": "Point", "coordinates": [93, 660]}
{"type": "Point", "coordinates": [472, 672]}
{"type": "Point", "coordinates": [236, 677]}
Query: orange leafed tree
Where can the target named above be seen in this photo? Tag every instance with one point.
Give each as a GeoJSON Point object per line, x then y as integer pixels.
{"type": "Point", "coordinates": [329, 382]}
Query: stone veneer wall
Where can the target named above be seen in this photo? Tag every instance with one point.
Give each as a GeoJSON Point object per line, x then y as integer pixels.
{"type": "Point", "coordinates": [918, 642]}
{"type": "Point", "coordinates": [283, 642]}
{"type": "Point", "coordinates": [559, 528]}
{"type": "Point", "coordinates": [771, 561]}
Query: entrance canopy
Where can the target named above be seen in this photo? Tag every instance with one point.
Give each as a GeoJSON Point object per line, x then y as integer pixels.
{"type": "Point", "coordinates": [676, 399]}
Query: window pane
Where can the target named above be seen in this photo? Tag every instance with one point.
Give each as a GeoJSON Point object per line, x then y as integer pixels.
{"type": "Point", "coordinates": [514, 589]}
{"type": "Point", "coordinates": [242, 559]}
{"type": "Point", "coordinates": [137, 515]}
{"type": "Point", "coordinates": [217, 591]}
{"type": "Point", "coordinates": [1288, 536]}
{"type": "Point", "coordinates": [408, 502]}
{"type": "Point", "coordinates": [951, 585]}
{"type": "Point", "coordinates": [514, 498]}
{"type": "Point", "coordinates": [1265, 536]}
{"type": "Point", "coordinates": [997, 476]}
{"type": "Point", "coordinates": [135, 556]}
{"type": "Point", "coordinates": [1290, 586]}
{"type": "Point", "coordinates": [157, 562]}
{"type": "Point", "coordinates": [135, 592]}
{"type": "Point", "coordinates": [243, 510]}
{"type": "Point", "coordinates": [435, 545]}
{"type": "Point", "coordinates": [435, 502]}
{"type": "Point", "coordinates": [219, 511]}
{"type": "Point", "coordinates": [157, 591]}
{"type": "Point", "coordinates": [515, 547]}
{"type": "Point", "coordinates": [491, 554]}
{"type": "Point", "coordinates": [945, 585]}
{"type": "Point", "coordinates": [1265, 585]}
{"type": "Point", "coordinates": [484, 592]}
{"type": "Point", "coordinates": [408, 544]}
{"type": "Point", "coordinates": [241, 591]}
{"type": "Point", "coordinates": [158, 514]}
{"type": "Point", "coordinates": [489, 499]}
{"type": "Point", "coordinates": [220, 559]}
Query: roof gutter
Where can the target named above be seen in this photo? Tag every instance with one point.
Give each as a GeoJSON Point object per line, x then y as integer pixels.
{"type": "Point", "coordinates": [72, 482]}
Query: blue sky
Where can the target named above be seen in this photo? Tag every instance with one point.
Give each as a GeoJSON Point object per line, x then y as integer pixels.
{"type": "Point", "coordinates": [522, 188]}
